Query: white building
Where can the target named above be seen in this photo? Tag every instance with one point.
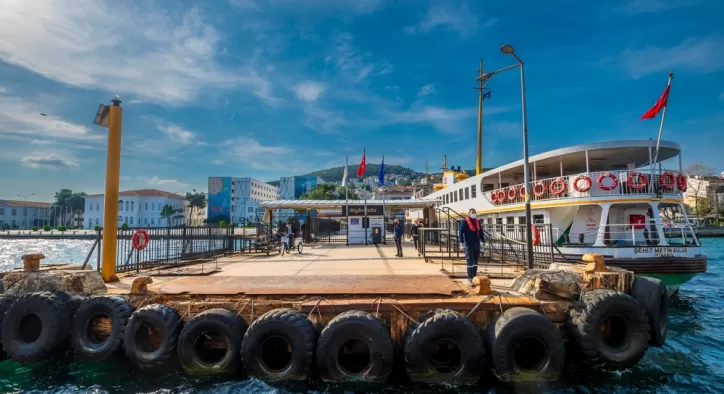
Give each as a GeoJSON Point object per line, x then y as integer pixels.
{"type": "Point", "coordinates": [238, 198]}
{"type": "Point", "coordinates": [17, 214]}
{"type": "Point", "coordinates": [138, 208]}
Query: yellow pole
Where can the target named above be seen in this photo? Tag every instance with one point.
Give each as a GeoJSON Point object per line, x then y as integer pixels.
{"type": "Point", "coordinates": [479, 160]}
{"type": "Point", "coordinates": [110, 203]}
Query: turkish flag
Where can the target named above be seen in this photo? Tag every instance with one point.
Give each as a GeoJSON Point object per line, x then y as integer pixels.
{"type": "Point", "coordinates": [362, 165]}
{"type": "Point", "coordinates": [661, 103]}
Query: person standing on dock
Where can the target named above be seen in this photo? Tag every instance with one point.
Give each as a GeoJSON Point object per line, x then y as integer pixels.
{"type": "Point", "coordinates": [399, 229]}
{"type": "Point", "coordinates": [471, 237]}
{"type": "Point", "coordinates": [413, 231]}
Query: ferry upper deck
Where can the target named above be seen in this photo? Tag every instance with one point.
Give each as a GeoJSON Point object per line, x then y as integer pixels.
{"type": "Point", "coordinates": [600, 171]}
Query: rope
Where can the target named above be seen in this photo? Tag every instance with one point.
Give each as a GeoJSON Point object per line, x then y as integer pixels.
{"type": "Point", "coordinates": [188, 311]}
{"type": "Point", "coordinates": [478, 304]}
{"type": "Point", "coordinates": [316, 307]}
{"type": "Point", "coordinates": [379, 300]}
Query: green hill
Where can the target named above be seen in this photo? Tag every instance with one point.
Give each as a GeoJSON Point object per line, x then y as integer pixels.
{"type": "Point", "coordinates": [335, 174]}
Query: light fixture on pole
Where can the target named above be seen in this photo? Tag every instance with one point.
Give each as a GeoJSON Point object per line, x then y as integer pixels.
{"type": "Point", "coordinates": [485, 77]}
{"type": "Point", "coordinates": [25, 208]}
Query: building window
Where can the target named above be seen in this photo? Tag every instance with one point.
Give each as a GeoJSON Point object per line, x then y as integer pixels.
{"type": "Point", "coordinates": [91, 207]}
{"type": "Point", "coordinates": [125, 219]}
{"type": "Point", "coordinates": [90, 223]}
{"type": "Point", "coordinates": [98, 207]}
{"type": "Point", "coordinates": [97, 221]}
{"type": "Point", "coordinates": [472, 191]}
{"type": "Point", "coordinates": [133, 208]}
{"type": "Point", "coordinates": [251, 209]}
{"type": "Point", "coordinates": [153, 206]}
{"type": "Point", "coordinates": [120, 205]}
{"type": "Point", "coordinates": [14, 212]}
{"type": "Point", "coordinates": [153, 221]}
{"type": "Point", "coordinates": [467, 193]}
{"type": "Point", "coordinates": [145, 220]}
{"type": "Point", "coordinates": [146, 207]}
{"type": "Point", "coordinates": [2, 211]}
{"type": "Point", "coordinates": [131, 219]}
{"type": "Point", "coordinates": [126, 205]}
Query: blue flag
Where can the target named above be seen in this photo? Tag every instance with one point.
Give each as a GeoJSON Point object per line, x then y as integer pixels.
{"type": "Point", "coordinates": [382, 172]}
{"type": "Point", "coordinates": [486, 94]}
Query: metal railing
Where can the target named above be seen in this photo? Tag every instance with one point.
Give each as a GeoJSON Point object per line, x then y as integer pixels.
{"type": "Point", "coordinates": [613, 183]}
{"type": "Point", "coordinates": [622, 235]}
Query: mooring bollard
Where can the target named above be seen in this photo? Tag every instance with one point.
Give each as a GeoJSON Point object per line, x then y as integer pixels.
{"type": "Point", "coordinates": [31, 262]}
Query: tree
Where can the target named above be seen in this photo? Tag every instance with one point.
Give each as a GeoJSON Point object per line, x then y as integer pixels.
{"type": "Point", "coordinates": [167, 212]}
{"type": "Point", "coordinates": [328, 191]}
{"type": "Point", "coordinates": [196, 201]}
{"type": "Point", "coordinates": [697, 186]}
{"type": "Point", "coordinates": [68, 205]}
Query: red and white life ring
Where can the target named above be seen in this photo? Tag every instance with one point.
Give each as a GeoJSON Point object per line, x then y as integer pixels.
{"type": "Point", "coordinates": [539, 189]}
{"type": "Point", "coordinates": [668, 180]}
{"type": "Point", "coordinates": [522, 191]}
{"type": "Point", "coordinates": [494, 197]}
{"type": "Point", "coordinates": [681, 182]}
{"type": "Point", "coordinates": [599, 182]}
{"type": "Point", "coordinates": [586, 183]}
{"type": "Point", "coordinates": [637, 181]}
{"type": "Point", "coordinates": [501, 196]}
{"type": "Point", "coordinates": [512, 193]}
{"type": "Point", "coordinates": [561, 187]}
{"type": "Point", "coordinates": [536, 234]}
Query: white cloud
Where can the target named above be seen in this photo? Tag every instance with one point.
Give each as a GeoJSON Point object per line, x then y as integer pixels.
{"type": "Point", "coordinates": [308, 90]}
{"type": "Point", "coordinates": [3, 90]}
{"type": "Point", "coordinates": [633, 7]}
{"type": "Point", "coordinates": [353, 63]}
{"type": "Point", "coordinates": [444, 119]}
{"type": "Point", "coordinates": [158, 55]}
{"type": "Point", "coordinates": [457, 18]}
{"type": "Point", "coordinates": [21, 117]}
{"type": "Point", "coordinates": [693, 54]}
{"type": "Point", "coordinates": [177, 133]}
{"type": "Point", "coordinates": [426, 90]}
{"type": "Point", "coordinates": [51, 161]}
{"type": "Point", "coordinates": [172, 183]}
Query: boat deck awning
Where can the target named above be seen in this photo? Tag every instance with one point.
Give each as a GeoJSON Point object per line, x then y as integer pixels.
{"type": "Point", "coordinates": [331, 204]}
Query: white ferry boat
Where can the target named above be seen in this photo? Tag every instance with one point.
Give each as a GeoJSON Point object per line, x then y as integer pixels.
{"type": "Point", "coordinates": [606, 198]}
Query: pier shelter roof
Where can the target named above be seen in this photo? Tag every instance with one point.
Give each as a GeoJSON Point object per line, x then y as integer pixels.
{"type": "Point", "coordinates": [328, 204]}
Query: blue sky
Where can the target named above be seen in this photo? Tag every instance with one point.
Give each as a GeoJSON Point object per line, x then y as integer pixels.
{"type": "Point", "coordinates": [280, 87]}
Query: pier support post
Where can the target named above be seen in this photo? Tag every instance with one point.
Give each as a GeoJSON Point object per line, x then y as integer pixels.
{"type": "Point", "coordinates": [110, 203]}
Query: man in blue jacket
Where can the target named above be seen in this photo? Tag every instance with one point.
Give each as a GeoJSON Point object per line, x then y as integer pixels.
{"type": "Point", "coordinates": [399, 228]}
{"type": "Point", "coordinates": [471, 237]}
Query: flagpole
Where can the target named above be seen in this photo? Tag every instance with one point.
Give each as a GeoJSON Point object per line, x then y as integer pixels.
{"type": "Point", "coordinates": [364, 157]}
{"type": "Point", "coordinates": [661, 129]}
{"type": "Point", "coordinates": [384, 217]}
{"type": "Point", "coordinates": [346, 195]}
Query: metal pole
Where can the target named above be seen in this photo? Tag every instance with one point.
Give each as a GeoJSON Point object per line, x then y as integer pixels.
{"type": "Point", "coordinates": [479, 159]}
{"type": "Point", "coordinates": [110, 210]}
{"type": "Point", "coordinates": [663, 117]}
{"type": "Point", "coordinates": [526, 168]}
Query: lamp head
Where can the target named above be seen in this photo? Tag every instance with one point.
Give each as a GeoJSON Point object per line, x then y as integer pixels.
{"type": "Point", "coordinates": [507, 49]}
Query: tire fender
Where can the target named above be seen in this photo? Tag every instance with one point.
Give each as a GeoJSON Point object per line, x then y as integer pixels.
{"type": "Point", "coordinates": [525, 345]}
{"type": "Point", "coordinates": [87, 345]}
{"type": "Point", "coordinates": [651, 294]}
{"type": "Point", "coordinates": [276, 330]}
{"type": "Point", "coordinates": [152, 349]}
{"type": "Point", "coordinates": [626, 337]}
{"type": "Point", "coordinates": [449, 331]}
{"type": "Point", "coordinates": [217, 325]}
{"type": "Point", "coordinates": [6, 301]}
{"type": "Point", "coordinates": [365, 329]}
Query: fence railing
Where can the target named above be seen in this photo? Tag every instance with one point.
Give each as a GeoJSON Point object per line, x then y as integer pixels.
{"type": "Point", "coordinates": [594, 184]}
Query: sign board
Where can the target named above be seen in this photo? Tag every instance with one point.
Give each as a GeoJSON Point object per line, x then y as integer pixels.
{"type": "Point", "coordinates": [662, 251]}
{"type": "Point", "coordinates": [372, 210]}
{"type": "Point", "coordinates": [102, 116]}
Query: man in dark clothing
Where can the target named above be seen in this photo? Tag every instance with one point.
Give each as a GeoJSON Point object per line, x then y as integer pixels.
{"type": "Point", "coordinates": [472, 238]}
{"type": "Point", "coordinates": [399, 229]}
{"type": "Point", "coordinates": [413, 231]}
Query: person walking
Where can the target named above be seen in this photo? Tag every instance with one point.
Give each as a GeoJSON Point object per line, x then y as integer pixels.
{"type": "Point", "coordinates": [399, 229]}
{"type": "Point", "coordinates": [471, 237]}
{"type": "Point", "coordinates": [413, 231]}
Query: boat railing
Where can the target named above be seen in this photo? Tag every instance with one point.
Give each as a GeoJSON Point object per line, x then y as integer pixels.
{"type": "Point", "coordinates": [593, 184]}
{"type": "Point", "coordinates": [628, 235]}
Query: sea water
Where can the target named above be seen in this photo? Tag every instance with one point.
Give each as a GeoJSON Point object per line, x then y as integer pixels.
{"type": "Point", "coordinates": [691, 360]}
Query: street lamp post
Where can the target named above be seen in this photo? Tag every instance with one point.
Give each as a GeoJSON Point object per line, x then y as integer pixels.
{"type": "Point", "coordinates": [485, 77]}
{"type": "Point", "coordinates": [25, 208]}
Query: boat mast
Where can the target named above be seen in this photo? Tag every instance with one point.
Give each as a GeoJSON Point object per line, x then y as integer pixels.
{"type": "Point", "coordinates": [479, 158]}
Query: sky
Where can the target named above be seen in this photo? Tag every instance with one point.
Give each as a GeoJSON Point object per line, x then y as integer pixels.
{"type": "Point", "coordinates": [283, 87]}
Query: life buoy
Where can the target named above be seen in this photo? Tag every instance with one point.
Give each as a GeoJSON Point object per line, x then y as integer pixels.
{"type": "Point", "coordinates": [536, 234]}
{"type": "Point", "coordinates": [279, 345]}
{"type": "Point", "coordinates": [494, 197]}
{"type": "Point", "coordinates": [613, 185]}
{"type": "Point", "coordinates": [501, 196]}
{"type": "Point", "coordinates": [140, 239]}
{"type": "Point", "coordinates": [539, 189]}
{"type": "Point", "coordinates": [637, 181]}
{"type": "Point", "coordinates": [512, 192]}
{"type": "Point", "coordinates": [163, 320]}
{"type": "Point", "coordinates": [560, 188]}
{"type": "Point", "coordinates": [586, 181]}
{"type": "Point", "coordinates": [681, 182]}
{"type": "Point", "coordinates": [350, 332]}
{"type": "Point", "coordinates": [667, 180]}
{"type": "Point", "coordinates": [522, 191]}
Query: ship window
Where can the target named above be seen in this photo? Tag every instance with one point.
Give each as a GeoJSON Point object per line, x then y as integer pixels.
{"type": "Point", "coordinates": [460, 192]}
{"type": "Point", "coordinates": [490, 221]}
{"type": "Point", "coordinates": [510, 221]}
{"type": "Point", "coordinates": [456, 196]}
{"type": "Point", "coordinates": [521, 219]}
{"type": "Point", "coordinates": [472, 191]}
{"type": "Point", "coordinates": [467, 193]}
{"type": "Point", "coordinates": [538, 219]}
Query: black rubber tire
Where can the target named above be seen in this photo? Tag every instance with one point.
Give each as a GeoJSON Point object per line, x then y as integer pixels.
{"type": "Point", "coordinates": [93, 349]}
{"type": "Point", "coordinates": [651, 294]}
{"type": "Point", "coordinates": [224, 323]}
{"type": "Point", "coordinates": [460, 334]}
{"type": "Point", "coordinates": [523, 329]}
{"type": "Point", "coordinates": [286, 325]}
{"type": "Point", "coordinates": [6, 301]}
{"type": "Point", "coordinates": [75, 301]}
{"type": "Point", "coordinates": [160, 317]}
{"type": "Point", "coordinates": [300, 247]}
{"type": "Point", "coordinates": [593, 310]}
{"type": "Point", "coordinates": [51, 321]}
{"type": "Point", "coordinates": [365, 328]}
